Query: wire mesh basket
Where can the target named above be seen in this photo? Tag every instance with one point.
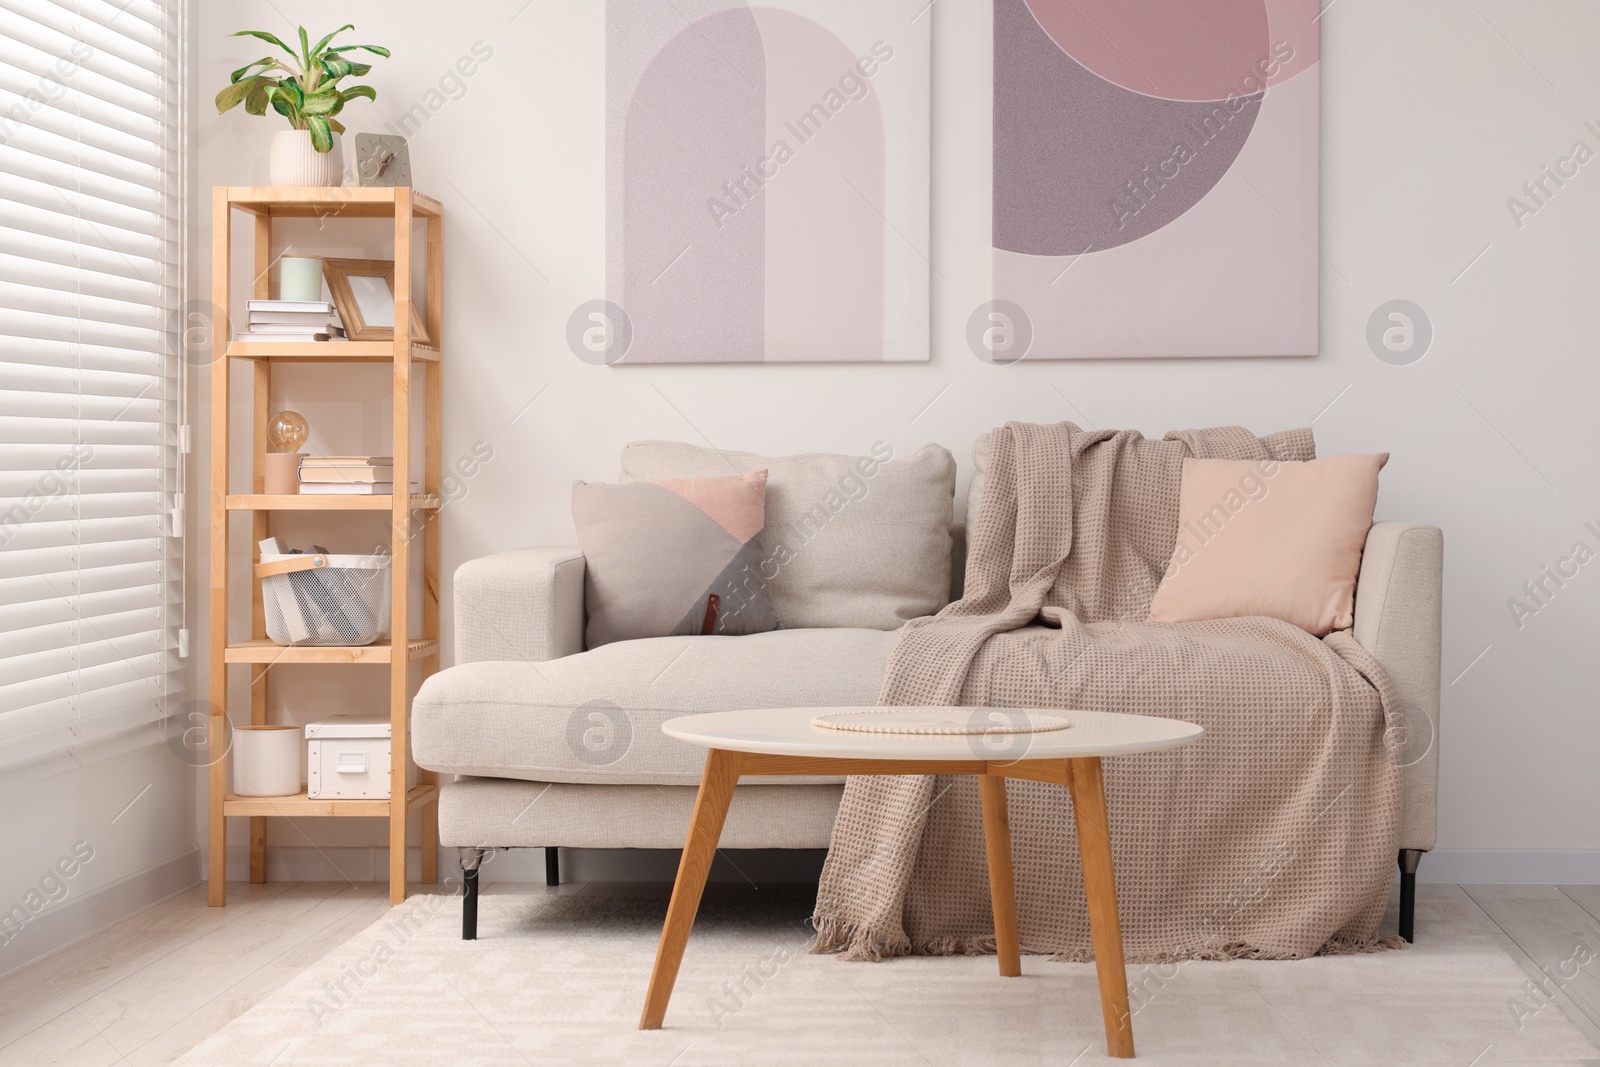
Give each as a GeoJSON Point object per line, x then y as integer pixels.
{"type": "Point", "coordinates": [325, 599]}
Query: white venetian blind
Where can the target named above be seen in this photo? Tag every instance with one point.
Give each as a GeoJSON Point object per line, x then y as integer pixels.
{"type": "Point", "coordinates": [91, 247]}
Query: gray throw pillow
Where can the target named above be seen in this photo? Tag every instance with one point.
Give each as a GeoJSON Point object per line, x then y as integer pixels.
{"type": "Point", "coordinates": [673, 557]}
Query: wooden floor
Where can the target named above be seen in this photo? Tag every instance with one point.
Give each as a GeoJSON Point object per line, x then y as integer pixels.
{"type": "Point", "coordinates": [155, 985]}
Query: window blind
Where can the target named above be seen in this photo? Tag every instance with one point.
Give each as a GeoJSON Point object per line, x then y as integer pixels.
{"type": "Point", "coordinates": [91, 277]}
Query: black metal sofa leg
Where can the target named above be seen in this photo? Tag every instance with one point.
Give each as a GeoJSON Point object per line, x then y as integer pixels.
{"type": "Point", "coordinates": [552, 865]}
{"type": "Point", "coordinates": [471, 860]}
{"type": "Point", "coordinates": [1409, 858]}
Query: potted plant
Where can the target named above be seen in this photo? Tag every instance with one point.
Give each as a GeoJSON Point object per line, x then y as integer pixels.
{"type": "Point", "coordinates": [306, 93]}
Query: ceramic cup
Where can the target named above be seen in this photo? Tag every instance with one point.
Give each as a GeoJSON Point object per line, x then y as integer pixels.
{"type": "Point", "coordinates": [300, 278]}
{"type": "Point", "coordinates": [283, 473]}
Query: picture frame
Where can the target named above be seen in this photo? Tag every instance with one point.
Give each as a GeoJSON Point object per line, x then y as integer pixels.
{"type": "Point", "coordinates": [363, 292]}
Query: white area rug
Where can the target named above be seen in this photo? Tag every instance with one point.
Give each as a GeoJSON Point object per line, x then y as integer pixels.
{"type": "Point", "coordinates": [559, 978]}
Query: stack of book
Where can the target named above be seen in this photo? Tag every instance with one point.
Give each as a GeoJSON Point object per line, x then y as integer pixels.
{"type": "Point", "coordinates": [291, 320]}
{"type": "Point", "coordinates": [352, 475]}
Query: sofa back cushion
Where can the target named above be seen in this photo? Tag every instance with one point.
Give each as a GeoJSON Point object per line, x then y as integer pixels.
{"type": "Point", "coordinates": [858, 541]}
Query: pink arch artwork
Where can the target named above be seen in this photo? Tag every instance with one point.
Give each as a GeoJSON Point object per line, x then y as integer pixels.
{"type": "Point", "coordinates": [751, 173]}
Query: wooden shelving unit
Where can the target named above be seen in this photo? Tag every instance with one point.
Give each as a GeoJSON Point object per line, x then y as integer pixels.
{"type": "Point", "coordinates": [418, 512]}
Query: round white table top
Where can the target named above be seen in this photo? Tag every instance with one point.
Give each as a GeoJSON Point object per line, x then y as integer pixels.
{"type": "Point", "coordinates": [790, 732]}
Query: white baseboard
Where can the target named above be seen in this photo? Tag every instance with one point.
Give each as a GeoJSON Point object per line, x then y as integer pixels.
{"type": "Point", "coordinates": [1510, 866]}
{"type": "Point", "coordinates": [76, 918]}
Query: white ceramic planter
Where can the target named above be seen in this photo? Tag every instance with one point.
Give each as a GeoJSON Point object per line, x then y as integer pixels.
{"type": "Point", "coordinates": [266, 760]}
{"type": "Point", "coordinates": [295, 162]}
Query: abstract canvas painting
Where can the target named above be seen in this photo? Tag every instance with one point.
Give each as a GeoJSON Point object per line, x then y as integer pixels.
{"type": "Point", "coordinates": [767, 179]}
{"type": "Point", "coordinates": [1155, 178]}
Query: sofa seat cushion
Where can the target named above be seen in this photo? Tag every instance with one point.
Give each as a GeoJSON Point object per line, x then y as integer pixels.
{"type": "Point", "coordinates": [596, 717]}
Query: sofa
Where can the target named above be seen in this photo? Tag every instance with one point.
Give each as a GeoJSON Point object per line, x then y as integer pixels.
{"type": "Point", "coordinates": [555, 746]}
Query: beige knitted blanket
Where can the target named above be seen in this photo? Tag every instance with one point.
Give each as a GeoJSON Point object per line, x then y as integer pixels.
{"type": "Point", "coordinates": [1272, 837]}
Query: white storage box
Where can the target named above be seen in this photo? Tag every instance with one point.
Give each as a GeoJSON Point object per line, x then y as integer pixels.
{"type": "Point", "coordinates": [321, 598]}
{"type": "Point", "coordinates": [348, 758]}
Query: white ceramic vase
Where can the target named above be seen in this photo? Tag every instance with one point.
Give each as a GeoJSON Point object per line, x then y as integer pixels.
{"type": "Point", "coordinates": [294, 162]}
{"type": "Point", "coordinates": [266, 760]}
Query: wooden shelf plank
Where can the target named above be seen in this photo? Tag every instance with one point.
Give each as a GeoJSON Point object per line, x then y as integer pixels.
{"type": "Point", "coordinates": [302, 806]}
{"type": "Point", "coordinates": [325, 502]}
{"type": "Point", "coordinates": [348, 201]}
{"type": "Point", "coordinates": [264, 651]}
{"type": "Point", "coordinates": [326, 351]}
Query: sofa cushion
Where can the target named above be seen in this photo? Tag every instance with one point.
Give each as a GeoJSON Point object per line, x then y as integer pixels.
{"type": "Point", "coordinates": [1269, 537]}
{"type": "Point", "coordinates": [666, 558]}
{"type": "Point", "coordinates": [856, 541]}
{"type": "Point", "coordinates": [596, 716]}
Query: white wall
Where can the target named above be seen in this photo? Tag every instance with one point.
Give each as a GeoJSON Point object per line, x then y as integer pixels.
{"type": "Point", "coordinates": [1434, 114]}
{"type": "Point", "coordinates": [88, 844]}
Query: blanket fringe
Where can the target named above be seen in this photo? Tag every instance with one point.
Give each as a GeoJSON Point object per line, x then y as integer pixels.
{"type": "Point", "coordinates": [855, 943]}
{"type": "Point", "coordinates": [1240, 950]}
{"type": "Point", "coordinates": [852, 941]}
{"type": "Point", "coordinates": [955, 946]}
{"type": "Point", "coordinates": [1353, 947]}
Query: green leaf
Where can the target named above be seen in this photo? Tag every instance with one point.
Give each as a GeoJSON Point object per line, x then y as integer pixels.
{"type": "Point", "coordinates": [317, 51]}
{"type": "Point", "coordinates": [282, 106]}
{"type": "Point", "coordinates": [364, 91]}
{"type": "Point", "coordinates": [265, 36]}
{"type": "Point", "coordinates": [325, 102]}
{"type": "Point", "coordinates": [285, 102]}
{"type": "Point", "coordinates": [374, 49]}
{"type": "Point", "coordinates": [336, 67]}
{"type": "Point", "coordinates": [265, 61]}
{"type": "Point", "coordinates": [237, 93]}
{"type": "Point", "coordinates": [291, 90]}
{"type": "Point", "coordinates": [305, 49]}
{"type": "Point", "coordinates": [335, 125]}
{"type": "Point", "coordinates": [256, 102]}
{"type": "Point", "coordinates": [321, 133]}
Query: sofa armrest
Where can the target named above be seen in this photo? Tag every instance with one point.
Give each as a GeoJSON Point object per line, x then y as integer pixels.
{"type": "Point", "coordinates": [526, 604]}
{"type": "Point", "coordinates": [1398, 607]}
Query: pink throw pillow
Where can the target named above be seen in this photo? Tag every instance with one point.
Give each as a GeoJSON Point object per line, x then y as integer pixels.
{"type": "Point", "coordinates": [1266, 537]}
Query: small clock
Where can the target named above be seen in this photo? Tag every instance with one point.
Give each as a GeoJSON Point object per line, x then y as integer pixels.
{"type": "Point", "coordinates": [382, 160]}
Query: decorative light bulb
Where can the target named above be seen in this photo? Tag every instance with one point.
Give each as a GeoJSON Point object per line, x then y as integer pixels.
{"type": "Point", "coordinates": [288, 431]}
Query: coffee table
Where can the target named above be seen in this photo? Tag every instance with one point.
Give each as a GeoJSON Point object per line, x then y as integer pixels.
{"type": "Point", "coordinates": [785, 742]}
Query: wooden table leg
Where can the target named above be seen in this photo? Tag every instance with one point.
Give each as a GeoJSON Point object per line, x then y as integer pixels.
{"type": "Point", "coordinates": [1002, 888]}
{"type": "Point", "coordinates": [1086, 782]}
{"type": "Point", "coordinates": [705, 827]}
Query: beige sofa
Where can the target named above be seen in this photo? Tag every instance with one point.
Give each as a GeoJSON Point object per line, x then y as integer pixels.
{"type": "Point", "coordinates": [558, 747]}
